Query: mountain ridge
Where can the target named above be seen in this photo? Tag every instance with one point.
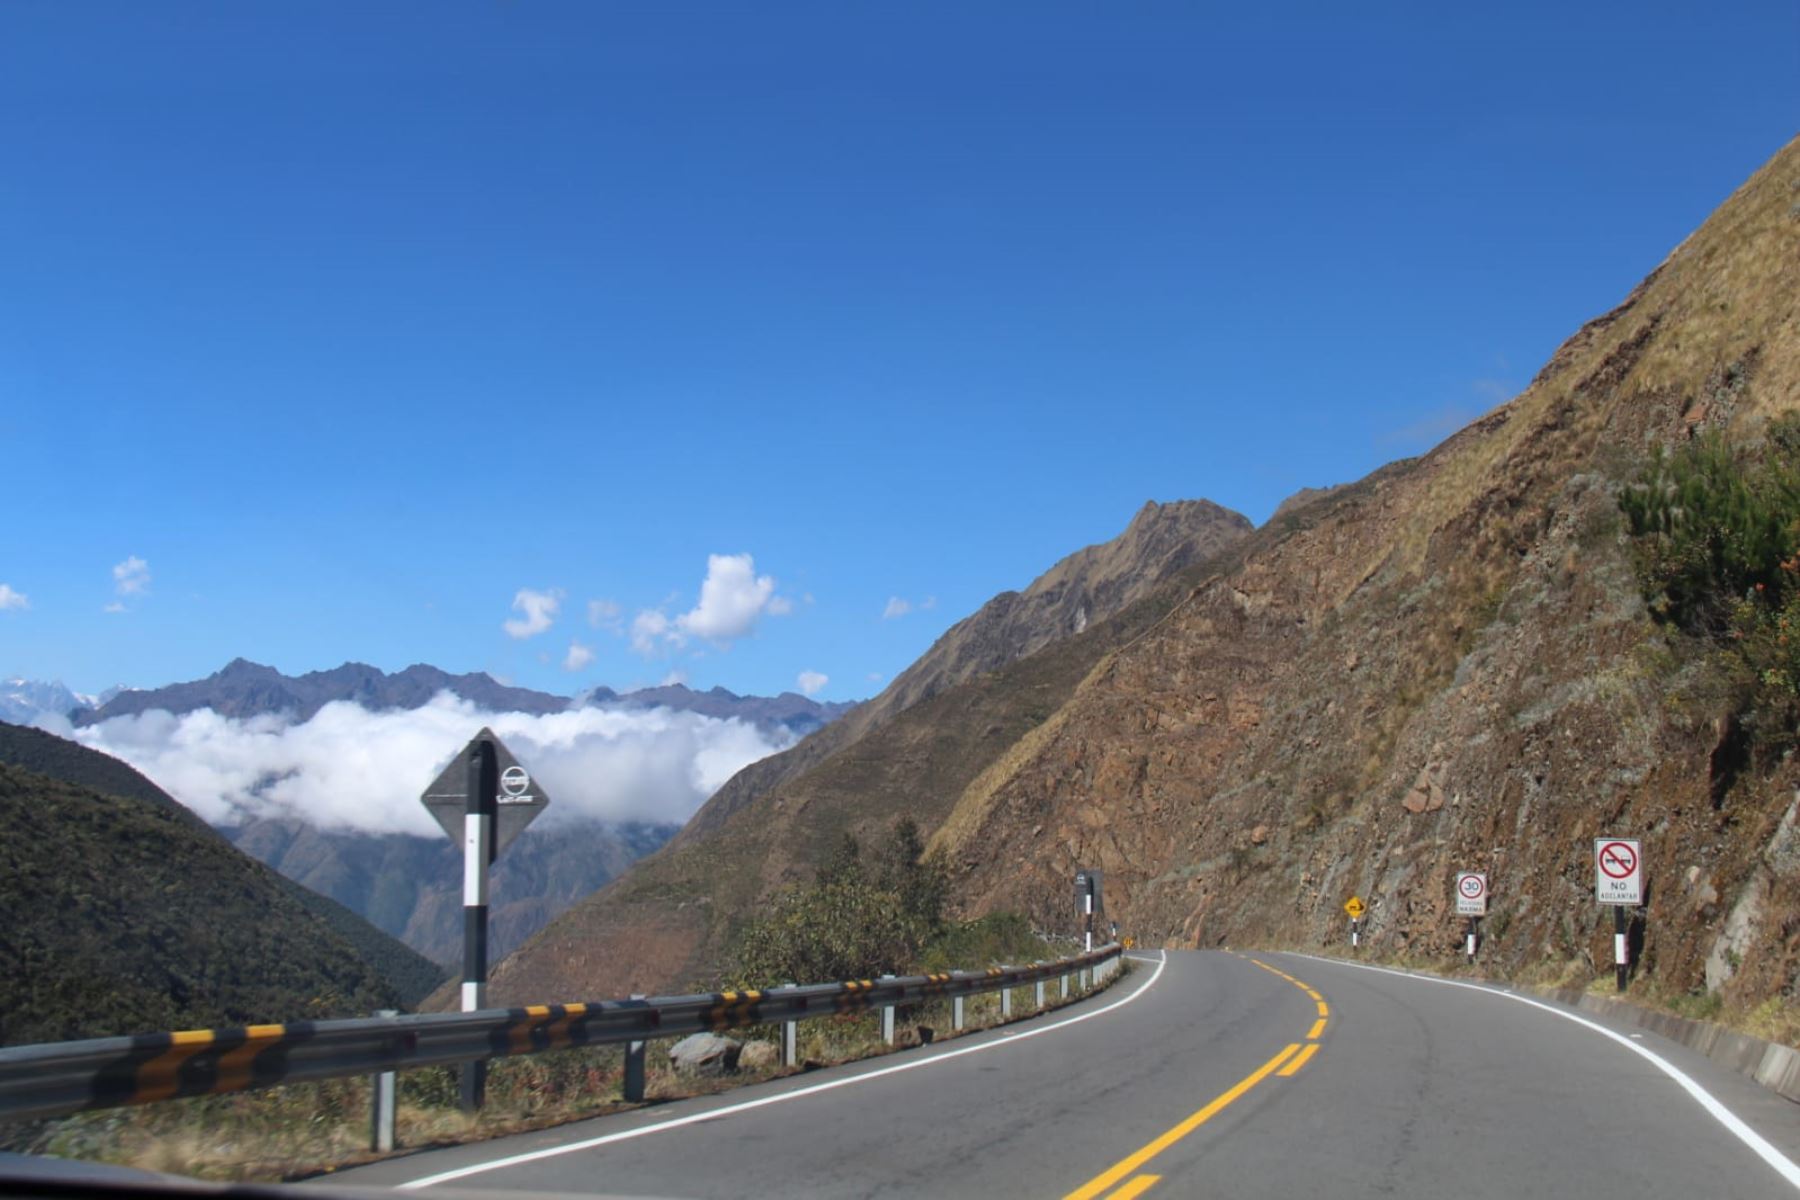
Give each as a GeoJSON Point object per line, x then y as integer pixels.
{"type": "Point", "coordinates": [248, 689]}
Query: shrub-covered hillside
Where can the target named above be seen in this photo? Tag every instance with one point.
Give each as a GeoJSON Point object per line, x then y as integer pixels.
{"type": "Point", "coordinates": [121, 917]}
{"type": "Point", "coordinates": [409, 974]}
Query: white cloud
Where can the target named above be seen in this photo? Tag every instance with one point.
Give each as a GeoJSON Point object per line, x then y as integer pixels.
{"type": "Point", "coordinates": [132, 577]}
{"type": "Point", "coordinates": [539, 609]}
{"type": "Point", "coordinates": [12, 599]}
{"type": "Point", "coordinates": [812, 682]}
{"type": "Point", "coordinates": [899, 606]}
{"type": "Point", "coordinates": [649, 629]}
{"type": "Point", "coordinates": [604, 614]}
{"type": "Point", "coordinates": [578, 656]}
{"type": "Point", "coordinates": [733, 597]}
{"type": "Point", "coordinates": [348, 768]}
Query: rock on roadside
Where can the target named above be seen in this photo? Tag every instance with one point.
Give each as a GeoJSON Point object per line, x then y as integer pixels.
{"type": "Point", "coordinates": [705, 1054]}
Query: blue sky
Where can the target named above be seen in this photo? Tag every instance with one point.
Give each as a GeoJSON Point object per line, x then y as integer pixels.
{"type": "Point", "coordinates": [353, 323]}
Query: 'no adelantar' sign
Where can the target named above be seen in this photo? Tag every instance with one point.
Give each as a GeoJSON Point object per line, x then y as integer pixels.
{"type": "Point", "coordinates": [518, 802]}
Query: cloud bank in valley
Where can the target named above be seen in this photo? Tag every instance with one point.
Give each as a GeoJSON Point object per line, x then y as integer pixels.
{"type": "Point", "coordinates": [349, 768]}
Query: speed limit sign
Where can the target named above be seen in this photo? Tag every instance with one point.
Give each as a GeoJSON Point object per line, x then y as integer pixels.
{"type": "Point", "coordinates": [1471, 894]}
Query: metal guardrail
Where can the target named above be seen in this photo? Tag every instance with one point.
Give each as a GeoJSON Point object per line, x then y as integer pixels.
{"type": "Point", "coordinates": [62, 1077]}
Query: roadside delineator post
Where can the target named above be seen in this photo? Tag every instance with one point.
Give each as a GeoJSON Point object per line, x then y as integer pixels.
{"type": "Point", "coordinates": [632, 1089]}
{"type": "Point", "coordinates": [483, 799]}
{"type": "Point", "coordinates": [790, 1040]}
{"type": "Point", "coordinates": [478, 852]}
{"type": "Point", "coordinates": [887, 1020]}
{"type": "Point", "coordinates": [381, 1103]}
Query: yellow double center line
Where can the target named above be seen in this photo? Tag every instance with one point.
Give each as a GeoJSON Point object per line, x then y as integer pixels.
{"type": "Point", "coordinates": [1287, 1063]}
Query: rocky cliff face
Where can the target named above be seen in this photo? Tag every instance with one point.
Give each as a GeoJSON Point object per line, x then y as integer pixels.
{"type": "Point", "coordinates": [1447, 665]}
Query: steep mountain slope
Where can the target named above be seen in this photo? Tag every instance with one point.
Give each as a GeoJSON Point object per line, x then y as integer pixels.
{"type": "Point", "coordinates": [1449, 666]}
{"type": "Point", "coordinates": [1087, 587]}
{"type": "Point", "coordinates": [668, 921]}
{"type": "Point", "coordinates": [122, 917]}
{"type": "Point", "coordinates": [411, 887]}
{"type": "Point", "coordinates": [407, 974]}
{"type": "Point", "coordinates": [46, 754]}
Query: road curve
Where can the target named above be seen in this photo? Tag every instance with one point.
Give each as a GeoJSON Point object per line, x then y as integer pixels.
{"type": "Point", "coordinates": [1201, 1074]}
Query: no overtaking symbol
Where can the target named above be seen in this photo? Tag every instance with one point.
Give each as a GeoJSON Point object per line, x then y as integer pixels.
{"type": "Point", "coordinates": [1618, 871]}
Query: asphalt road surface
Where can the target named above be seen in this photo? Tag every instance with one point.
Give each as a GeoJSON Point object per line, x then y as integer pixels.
{"type": "Point", "coordinates": [1201, 1074]}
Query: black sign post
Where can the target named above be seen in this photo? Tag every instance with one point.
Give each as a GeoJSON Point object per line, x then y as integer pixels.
{"type": "Point", "coordinates": [484, 799]}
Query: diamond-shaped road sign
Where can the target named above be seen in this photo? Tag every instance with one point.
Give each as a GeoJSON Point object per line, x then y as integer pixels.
{"type": "Point", "coordinates": [518, 802]}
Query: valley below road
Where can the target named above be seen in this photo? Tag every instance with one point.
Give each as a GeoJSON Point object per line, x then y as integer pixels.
{"type": "Point", "coordinates": [1201, 1073]}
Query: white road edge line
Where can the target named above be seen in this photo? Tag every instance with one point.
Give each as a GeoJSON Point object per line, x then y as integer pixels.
{"type": "Point", "coordinates": [1783, 1165]}
{"type": "Point", "coordinates": [745, 1106]}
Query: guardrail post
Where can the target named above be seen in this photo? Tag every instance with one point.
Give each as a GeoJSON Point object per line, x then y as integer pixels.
{"type": "Point", "coordinates": [381, 1103]}
{"type": "Point", "coordinates": [1040, 994]}
{"type": "Point", "coordinates": [1087, 978]}
{"type": "Point", "coordinates": [1065, 985]}
{"type": "Point", "coordinates": [1005, 1003]}
{"type": "Point", "coordinates": [887, 1020]}
{"type": "Point", "coordinates": [633, 1088]}
{"type": "Point", "coordinates": [790, 1040]}
{"type": "Point", "coordinates": [956, 1014]}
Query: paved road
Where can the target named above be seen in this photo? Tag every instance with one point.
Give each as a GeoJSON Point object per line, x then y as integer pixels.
{"type": "Point", "coordinates": [1208, 1074]}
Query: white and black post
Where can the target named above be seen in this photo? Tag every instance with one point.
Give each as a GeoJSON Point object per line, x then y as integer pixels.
{"type": "Point", "coordinates": [1621, 947]}
{"type": "Point", "coordinates": [1355, 933]}
{"type": "Point", "coordinates": [478, 852]}
{"type": "Point", "coordinates": [1473, 938]}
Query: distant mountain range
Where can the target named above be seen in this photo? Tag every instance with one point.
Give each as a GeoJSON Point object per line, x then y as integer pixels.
{"type": "Point", "coordinates": [246, 689]}
{"type": "Point", "coordinates": [408, 886]}
{"type": "Point", "coordinates": [411, 887]}
{"type": "Point", "coordinates": [24, 700]}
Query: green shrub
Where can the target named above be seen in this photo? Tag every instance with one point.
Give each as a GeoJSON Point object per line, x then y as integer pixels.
{"type": "Point", "coordinates": [860, 918]}
{"type": "Point", "coordinates": [1716, 538]}
{"type": "Point", "coordinates": [871, 914]}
